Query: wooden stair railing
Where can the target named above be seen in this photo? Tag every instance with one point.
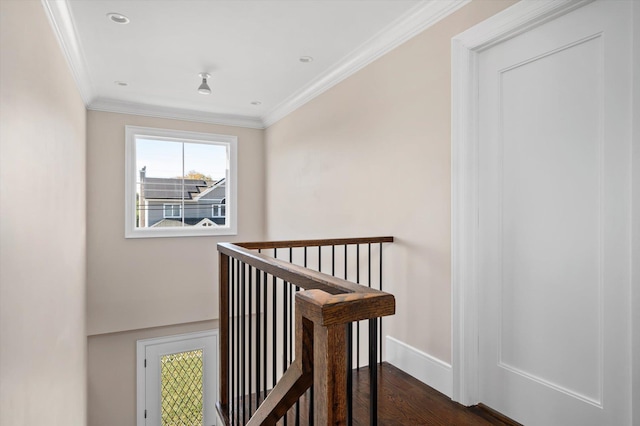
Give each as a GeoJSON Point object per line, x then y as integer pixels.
{"type": "Point", "coordinates": [323, 310]}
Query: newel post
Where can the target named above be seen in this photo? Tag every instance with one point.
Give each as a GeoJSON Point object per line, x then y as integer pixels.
{"type": "Point", "coordinates": [223, 284]}
{"type": "Point", "coordinates": [330, 374]}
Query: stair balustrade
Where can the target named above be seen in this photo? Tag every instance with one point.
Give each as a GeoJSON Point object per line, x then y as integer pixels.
{"type": "Point", "coordinates": [293, 318]}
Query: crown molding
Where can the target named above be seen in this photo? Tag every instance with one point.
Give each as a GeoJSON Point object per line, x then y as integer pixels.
{"type": "Point", "coordinates": [122, 107]}
{"type": "Point", "coordinates": [414, 21]}
{"type": "Point", "coordinates": [410, 24]}
{"type": "Point", "coordinates": [61, 20]}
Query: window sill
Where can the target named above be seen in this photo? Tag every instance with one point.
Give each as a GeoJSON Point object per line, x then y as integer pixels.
{"type": "Point", "coordinates": [180, 232]}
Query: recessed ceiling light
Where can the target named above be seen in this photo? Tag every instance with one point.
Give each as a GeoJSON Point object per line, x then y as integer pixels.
{"type": "Point", "coordinates": [120, 83]}
{"type": "Point", "coordinates": [306, 59]}
{"type": "Point", "coordinates": [256, 103]}
{"type": "Point", "coordinates": [118, 18]}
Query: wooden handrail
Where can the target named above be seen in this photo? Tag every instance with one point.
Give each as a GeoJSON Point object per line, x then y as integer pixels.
{"type": "Point", "coordinates": [314, 243]}
{"type": "Point", "coordinates": [295, 274]}
{"type": "Point", "coordinates": [323, 309]}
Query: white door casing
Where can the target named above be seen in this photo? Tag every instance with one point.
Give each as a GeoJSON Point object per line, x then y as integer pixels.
{"type": "Point", "coordinates": [587, 178]}
{"type": "Point", "coordinates": [148, 374]}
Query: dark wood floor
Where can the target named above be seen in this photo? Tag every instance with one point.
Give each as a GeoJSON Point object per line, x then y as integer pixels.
{"type": "Point", "coordinates": [403, 400]}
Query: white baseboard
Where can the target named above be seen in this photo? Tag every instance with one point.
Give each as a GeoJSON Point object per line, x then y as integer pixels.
{"type": "Point", "coordinates": [424, 367]}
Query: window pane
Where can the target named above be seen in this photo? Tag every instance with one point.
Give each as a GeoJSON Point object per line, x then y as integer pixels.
{"type": "Point", "coordinates": [182, 389]}
{"type": "Point", "coordinates": [206, 163]}
{"type": "Point", "coordinates": [159, 168]}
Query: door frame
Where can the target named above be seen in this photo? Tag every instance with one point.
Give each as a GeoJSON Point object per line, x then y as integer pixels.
{"type": "Point", "coordinates": [210, 372]}
{"type": "Point", "coordinates": [465, 48]}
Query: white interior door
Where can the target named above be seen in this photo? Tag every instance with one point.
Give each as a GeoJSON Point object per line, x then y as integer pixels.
{"type": "Point", "coordinates": [555, 220]}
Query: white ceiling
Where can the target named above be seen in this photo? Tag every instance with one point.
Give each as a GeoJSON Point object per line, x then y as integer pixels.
{"type": "Point", "coordinates": [251, 48]}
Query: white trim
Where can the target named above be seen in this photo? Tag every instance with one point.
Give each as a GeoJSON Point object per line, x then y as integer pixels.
{"type": "Point", "coordinates": [121, 107]}
{"type": "Point", "coordinates": [61, 19]}
{"type": "Point", "coordinates": [465, 47]}
{"type": "Point", "coordinates": [231, 218]}
{"type": "Point", "coordinates": [424, 367]}
{"type": "Point", "coordinates": [410, 24]}
{"type": "Point", "coordinates": [141, 348]}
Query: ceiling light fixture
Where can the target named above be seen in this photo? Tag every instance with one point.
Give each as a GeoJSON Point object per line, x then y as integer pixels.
{"type": "Point", "coordinates": [118, 18]}
{"type": "Point", "coordinates": [306, 59]}
{"type": "Point", "coordinates": [204, 88]}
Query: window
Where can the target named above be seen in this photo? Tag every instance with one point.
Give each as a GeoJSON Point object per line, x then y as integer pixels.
{"type": "Point", "coordinates": [177, 379]}
{"type": "Point", "coordinates": [217, 210]}
{"type": "Point", "coordinates": [172, 211]}
{"type": "Point", "coordinates": [179, 183]}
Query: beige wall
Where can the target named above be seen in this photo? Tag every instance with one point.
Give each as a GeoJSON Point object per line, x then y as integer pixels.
{"type": "Point", "coordinates": [112, 372]}
{"type": "Point", "coordinates": [149, 287]}
{"type": "Point", "coordinates": [151, 282]}
{"type": "Point", "coordinates": [42, 226]}
{"type": "Point", "coordinates": [371, 156]}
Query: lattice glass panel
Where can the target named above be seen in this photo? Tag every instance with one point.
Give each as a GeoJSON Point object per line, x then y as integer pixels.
{"type": "Point", "coordinates": [182, 389]}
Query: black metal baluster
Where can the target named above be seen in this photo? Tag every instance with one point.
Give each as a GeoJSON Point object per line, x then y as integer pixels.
{"type": "Point", "coordinates": [346, 247]}
{"type": "Point", "coordinates": [358, 322]}
{"type": "Point", "coordinates": [291, 328]}
{"type": "Point", "coordinates": [232, 336]}
{"type": "Point", "coordinates": [264, 351]}
{"type": "Point", "coordinates": [290, 313]}
{"type": "Point", "coordinates": [243, 346]}
{"type": "Point", "coordinates": [285, 286]}
{"type": "Point", "coordinates": [369, 265]}
{"type": "Point", "coordinates": [373, 372]}
{"type": "Point", "coordinates": [258, 335]}
{"type": "Point", "coordinates": [275, 327]}
{"type": "Point", "coordinates": [239, 343]}
{"type": "Point", "coordinates": [310, 400]}
{"type": "Point", "coordinates": [380, 321]}
{"type": "Point", "coordinates": [284, 325]}
{"type": "Point", "coordinates": [249, 339]}
{"type": "Point", "coordinates": [369, 279]}
{"type": "Point", "coordinates": [333, 260]}
{"type": "Point", "coordinates": [257, 350]}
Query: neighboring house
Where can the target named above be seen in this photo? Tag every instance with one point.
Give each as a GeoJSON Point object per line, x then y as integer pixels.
{"type": "Point", "coordinates": [166, 202]}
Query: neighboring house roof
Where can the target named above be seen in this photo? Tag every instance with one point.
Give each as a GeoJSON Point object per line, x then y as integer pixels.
{"type": "Point", "coordinates": [206, 222]}
{"type": "Point", "coordinates": [194, 189]}
{"type": "Point", "coordinates": [172, 223]}
{"type": "Point", "coordinates": [216, 192]}
{"type": "Point", "coordinates": [174, 188]}
{"type": "Point", "coordinates": [167, 223]}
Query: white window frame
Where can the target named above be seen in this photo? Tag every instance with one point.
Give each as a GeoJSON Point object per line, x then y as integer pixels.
{"type": "Point", "coordinates": [131, 174]}
{"type": "Point", "coordinates": [146, 383]}
{"type": "Point", "coordinates": [164, 210]}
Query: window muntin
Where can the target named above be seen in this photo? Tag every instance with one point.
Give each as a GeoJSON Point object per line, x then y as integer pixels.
{"type": "Point", "coordinates": [174, 177]}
